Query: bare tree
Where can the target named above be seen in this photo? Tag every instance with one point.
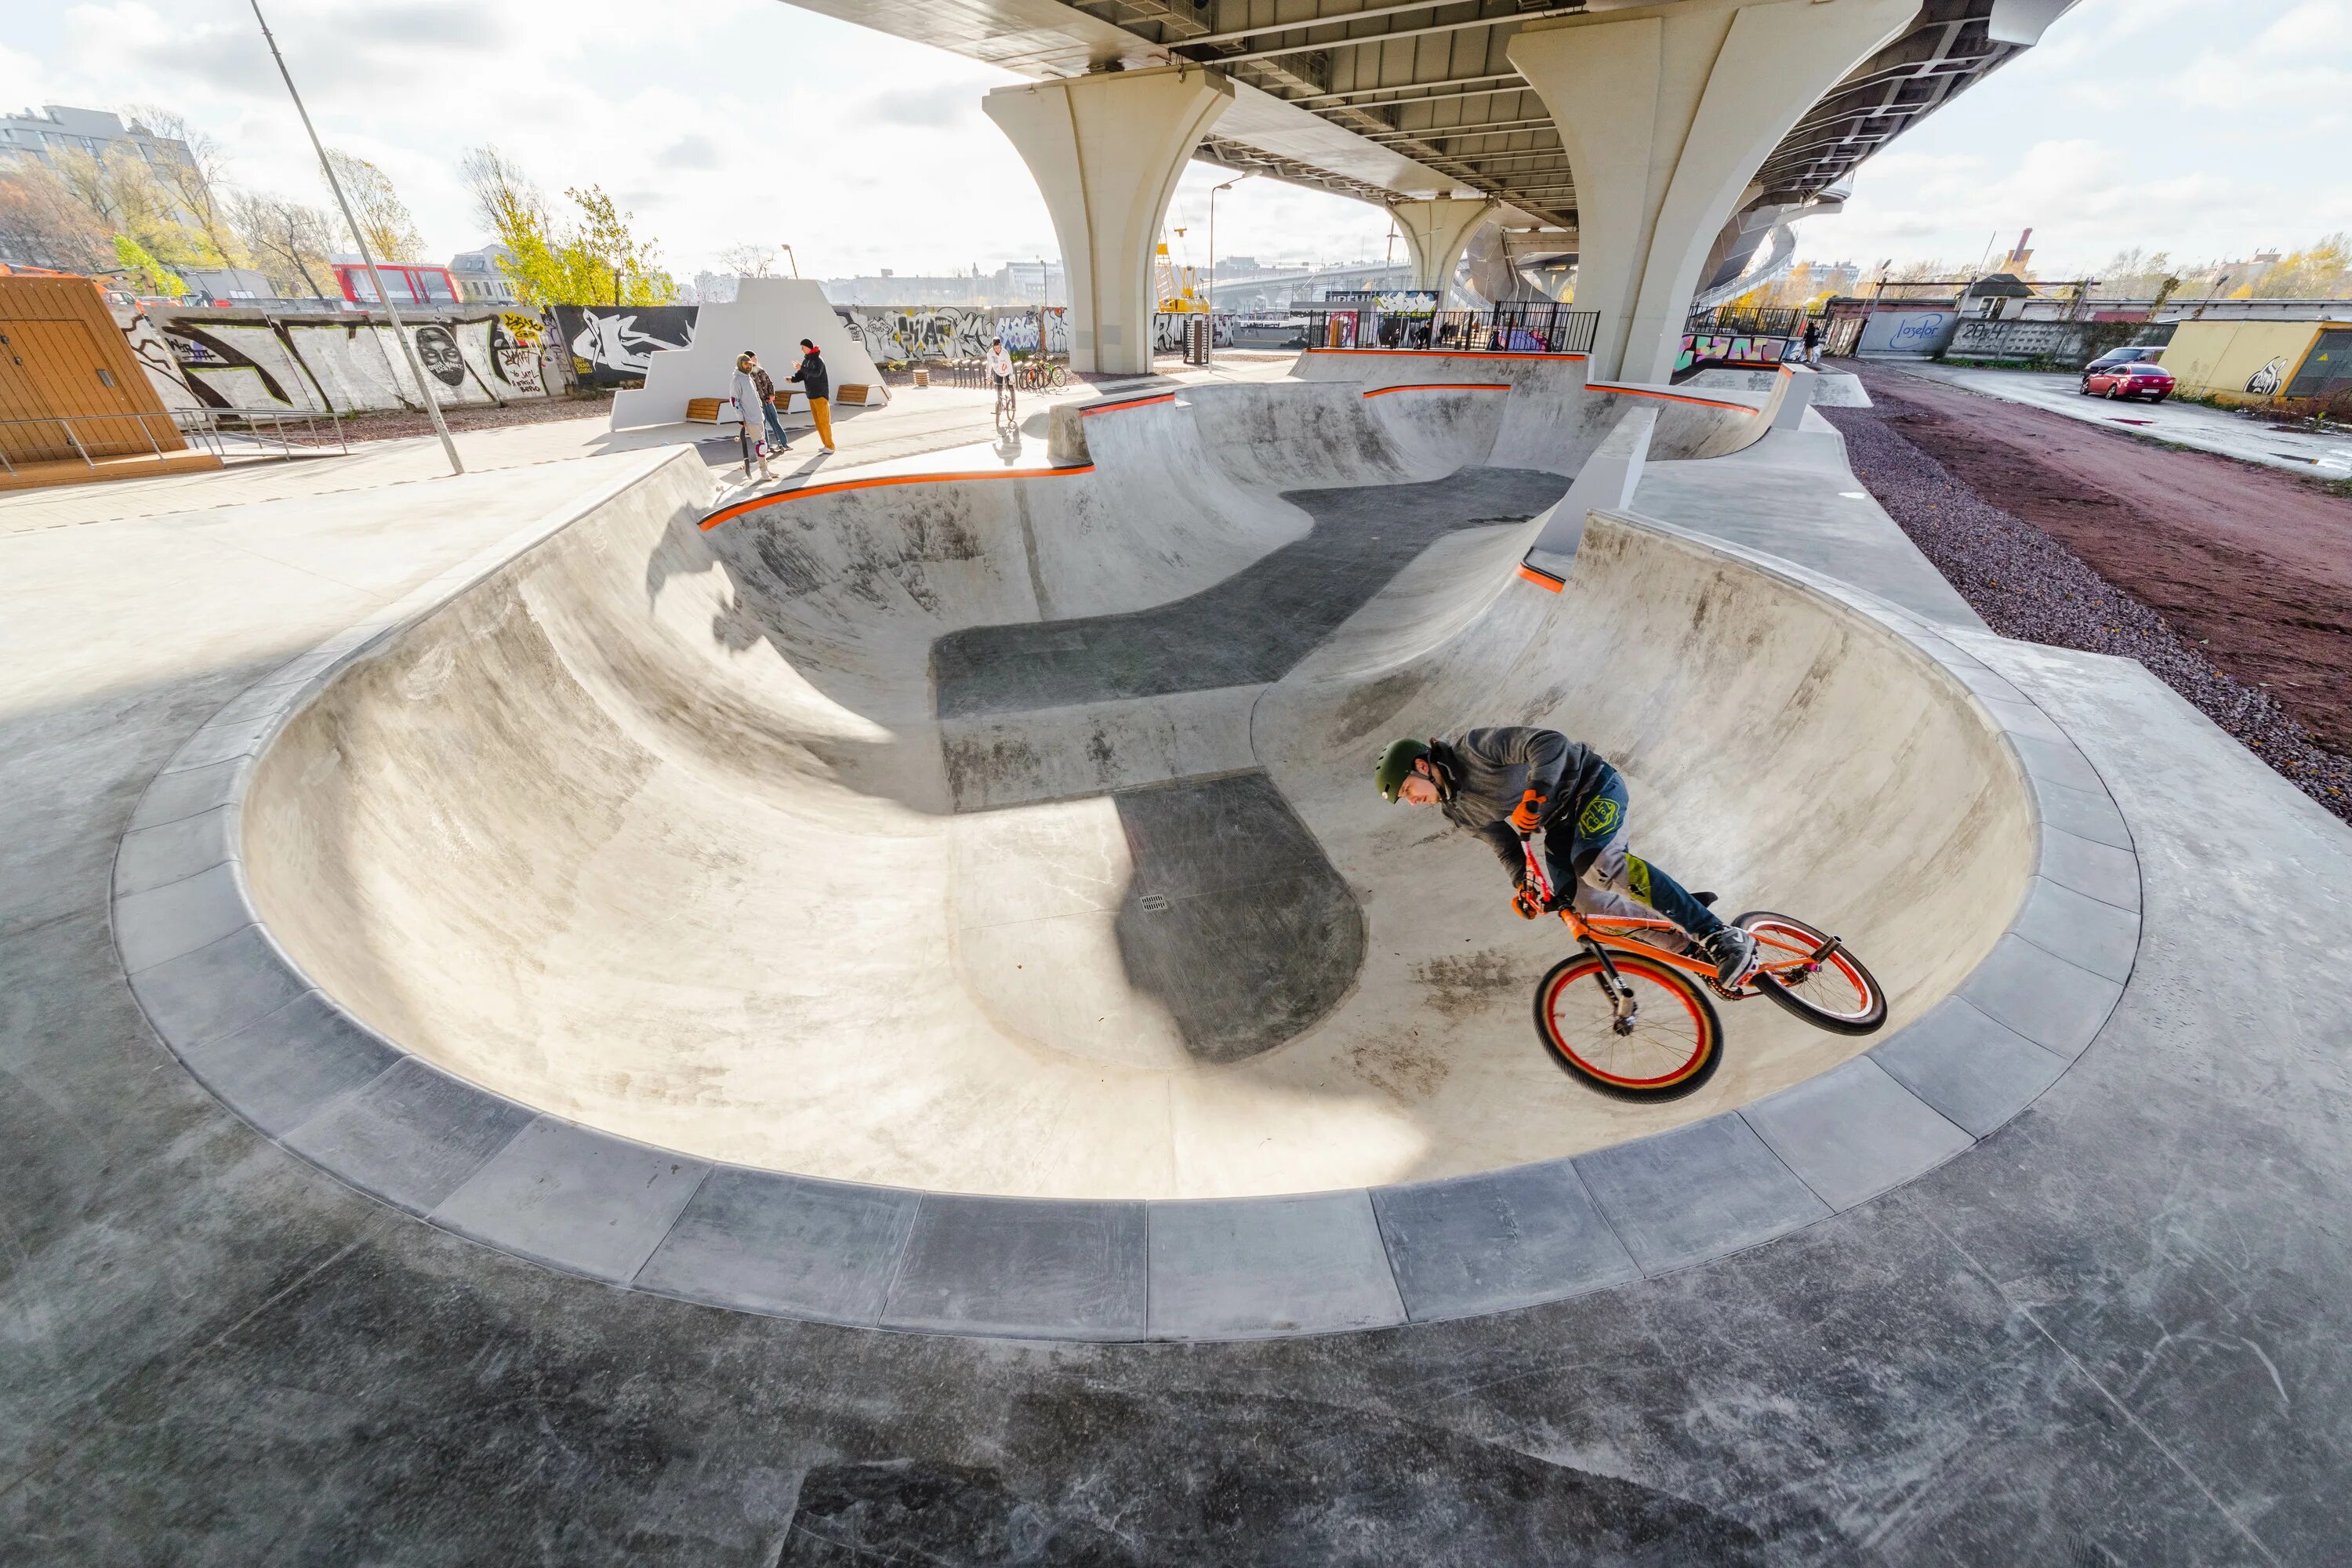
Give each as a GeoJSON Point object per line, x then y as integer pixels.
{"type": "Point", "coordinates": [386, 225]}
{"type": "Point", "coordinates": [748, 260]}
{"type": "Point", "coordinates": [287, 238]}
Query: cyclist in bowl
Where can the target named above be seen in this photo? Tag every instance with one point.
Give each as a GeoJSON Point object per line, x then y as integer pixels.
{"type": "Point", "coordinates": [1514, 781]}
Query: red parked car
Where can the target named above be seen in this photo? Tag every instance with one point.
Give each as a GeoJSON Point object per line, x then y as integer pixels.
{"type": "Point", "coordinates": [2132, 379]}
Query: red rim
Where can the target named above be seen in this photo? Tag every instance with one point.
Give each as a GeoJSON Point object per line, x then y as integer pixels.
{"type": "Point", "coordinates": [1789, 941]}
{"type": "Point", "coordinates": [1621, 1073]}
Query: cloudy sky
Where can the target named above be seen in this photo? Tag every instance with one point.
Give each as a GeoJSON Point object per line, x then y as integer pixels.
{"type": "Point", "coordinates": [2205, 127]}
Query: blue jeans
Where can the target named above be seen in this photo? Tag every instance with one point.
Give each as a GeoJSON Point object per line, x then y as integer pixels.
{"type": "Point", "coordinates": [1586, 853]}
{"type": "Point", "coordinates": [775, 425]}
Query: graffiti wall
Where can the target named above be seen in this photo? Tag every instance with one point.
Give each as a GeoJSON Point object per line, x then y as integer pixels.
{"type": "Point", "coordinates": [609, 344]}
{"type": "Point", "coordinates": [895, 334]}
{"type": "Point", "coordinates": [260, 364]}
{"type": "Point", "coordinates": [1167, 331]}
{"type": "Point", "coordinates": [1753, 351]}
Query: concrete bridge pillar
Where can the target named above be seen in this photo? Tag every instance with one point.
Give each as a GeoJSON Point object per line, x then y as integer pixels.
{"type": "Point", "coordinates": [1107, 151]}
{"type": "Point", "coordinates": [1667, 112]}
{"type": "Point", "coordinates": [1436, 232]}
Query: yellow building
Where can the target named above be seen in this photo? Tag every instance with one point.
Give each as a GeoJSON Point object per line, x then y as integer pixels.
{"type": "Point", "coordinates": [2254, 362]}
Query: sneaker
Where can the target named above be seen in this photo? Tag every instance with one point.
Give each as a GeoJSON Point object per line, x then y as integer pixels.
{"type": "Point", "coordinates": [1734, 952]}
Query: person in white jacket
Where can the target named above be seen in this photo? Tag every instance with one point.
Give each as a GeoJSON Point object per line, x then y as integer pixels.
{"type": "Point", "coordinates": [747, 408]}
{"type": "Point", "coordinates": [1000, 376]}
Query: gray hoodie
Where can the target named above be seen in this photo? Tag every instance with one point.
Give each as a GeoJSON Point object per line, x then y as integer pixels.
{"type": "Point", "coordinates": [1491, 769]}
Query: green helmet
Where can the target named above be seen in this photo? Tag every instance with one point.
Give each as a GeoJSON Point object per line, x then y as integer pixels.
{"type": "Point", "coordinates": [1395, 765]}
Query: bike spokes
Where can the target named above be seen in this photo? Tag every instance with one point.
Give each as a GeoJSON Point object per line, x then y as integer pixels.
{"type": "Point", "coordinates": [1649, 1036]}
{"type": "Point", "coordinates": [1811, 974]}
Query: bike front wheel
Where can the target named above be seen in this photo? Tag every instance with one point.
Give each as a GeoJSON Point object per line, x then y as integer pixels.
{"type": "Point", "coordinates": [1836, 992]}
{"type": "Point", "coordinates": [1673, 1045]}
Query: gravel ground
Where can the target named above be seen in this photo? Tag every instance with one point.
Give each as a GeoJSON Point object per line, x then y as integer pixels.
{"type": "Point", "coordinates": [2028, 586]}
{"type": "Point", "coordinates": [413, 422]}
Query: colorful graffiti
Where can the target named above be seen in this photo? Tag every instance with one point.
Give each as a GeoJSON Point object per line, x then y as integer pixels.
{"type": "Point", "coordinates": [1743, 348]}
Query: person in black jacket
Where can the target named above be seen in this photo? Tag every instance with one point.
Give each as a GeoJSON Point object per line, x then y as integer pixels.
{"type": "Point", "coordinates": [819, 385]}
{"type": "Point", "coordinates": [1508, 784]}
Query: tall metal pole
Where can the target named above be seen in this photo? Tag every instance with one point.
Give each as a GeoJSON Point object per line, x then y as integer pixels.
{"type": "Point", "coordinates": [1209, 353]}
{"type": "Point", "coordinates": [375, 279]}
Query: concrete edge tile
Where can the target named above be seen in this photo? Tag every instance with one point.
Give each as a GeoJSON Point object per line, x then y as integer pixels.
{"type": "Point", "coordinates": [214, 991]}
{"type": "Point", "coordinates": [1264, 1267]}
{"type": "Point", "coordinates": [1023, 1268]}
{"type": "Point", "coordinates": [553, 1195]}
{"type": "Point", "coordinates": [410, 1136]}
{"type": "Point", "coordinates": [151, 858]}
{"type": "Point", "coordinates": [2032, 991]}
{"type": "Point", "coordinates": [2023, 718]}
{"type": "Point", "coordinates": [1855, 1131]}
{"type": "Point", "coordinates": [1988, 684]}
{"type": "Point", "coordinates": [1469, 1246]}
{"type": "Point", "coordinates": [224, 741]}
{"type": "Point", "coordinates": [175, 797]}
{"type": "Point", "coordinates": [2084, 931]}
{"type": "Point", "coordinates": [784, 1246]}
{"type": "Point", "coordinates": [160, 924]}
{"type": "Point", "coordinates": [290, 1064]}
{"type": "Point", "coordinates": [2086, 865]}
{"type": "Point", "coordinates": [2085, 813]}
{"type": "Point", "coordinates": [2058, 762]}
{"type": "Point", "coordinates": [1976, 1071]}
{"type": "Point", "coordinates": [1697, 1192]}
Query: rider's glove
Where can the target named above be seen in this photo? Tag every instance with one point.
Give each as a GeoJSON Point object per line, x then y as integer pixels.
{"type": "Point", "coordinates": [1528, 813]}
{"type": "Point", "coordinates": [1528, 901]}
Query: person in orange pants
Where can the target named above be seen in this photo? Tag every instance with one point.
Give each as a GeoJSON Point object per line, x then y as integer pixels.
{"type": "Point", "coordinates": [814, 379]}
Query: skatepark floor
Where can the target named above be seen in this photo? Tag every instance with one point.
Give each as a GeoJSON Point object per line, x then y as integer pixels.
{"type": "Point", "coordinates": [2113, 1332]}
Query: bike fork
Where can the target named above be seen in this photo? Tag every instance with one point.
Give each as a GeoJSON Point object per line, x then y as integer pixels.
{"type": "Point", "coordinates": [1612, 986]}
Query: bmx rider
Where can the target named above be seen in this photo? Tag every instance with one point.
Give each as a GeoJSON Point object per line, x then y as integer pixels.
{"type": "Point", "coordinates": [1000, 376]}
{"type": "Point", "coordinates": [1510, 782]}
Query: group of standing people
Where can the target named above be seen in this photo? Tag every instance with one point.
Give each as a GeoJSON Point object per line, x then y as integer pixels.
{"type": "Point", "coordinates": [754, 387]}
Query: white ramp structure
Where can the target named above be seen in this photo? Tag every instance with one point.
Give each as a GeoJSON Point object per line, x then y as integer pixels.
{"type": "Point", "coordinates": [769, 316]}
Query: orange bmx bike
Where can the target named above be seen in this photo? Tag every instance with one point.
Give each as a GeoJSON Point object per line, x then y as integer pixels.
{"type": "Point", "coordinates": [1645, 1028]}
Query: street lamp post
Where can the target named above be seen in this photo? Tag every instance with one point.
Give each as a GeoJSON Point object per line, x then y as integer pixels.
{"type": "Point", "coordinates": [375, 279]}
{"type": "Point", "coordinates": [1211, 352]}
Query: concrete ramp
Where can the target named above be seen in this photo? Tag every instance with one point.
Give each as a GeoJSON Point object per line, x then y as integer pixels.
{"type": "Point", "coordinates": [1015, 836]}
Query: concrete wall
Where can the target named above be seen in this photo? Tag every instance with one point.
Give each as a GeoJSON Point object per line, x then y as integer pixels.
{"type": "Point", "coordinates": [2239, 361]}
{"type": "Point", "coordinates": [345, 365]}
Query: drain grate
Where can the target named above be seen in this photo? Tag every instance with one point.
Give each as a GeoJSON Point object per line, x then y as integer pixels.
{"type": "Point", "coordinates": [1154, 903]}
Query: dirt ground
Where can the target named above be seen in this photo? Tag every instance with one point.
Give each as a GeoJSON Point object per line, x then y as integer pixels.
{"type": "Point", "coordinates": [2255, 566]}
{"type": "Point", "coordinates": [413, 422]}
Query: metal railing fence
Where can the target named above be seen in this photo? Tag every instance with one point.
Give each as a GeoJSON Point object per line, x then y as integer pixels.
{"type": "Point", "coordinates": [1505, 329]}
{"type": "Point", "coordinates": [219, 431]}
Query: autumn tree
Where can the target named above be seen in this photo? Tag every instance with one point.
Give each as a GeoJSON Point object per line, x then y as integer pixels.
{"type": "Point", "coordinates": [596, 260]}
{"type": "Point", "coordinates": [197, 184]}
{"type": "Point", "coordinates": [2319, 271]}
{"type": "Point", "coordinates": [387, 231]}
{"type": "Point", "coordinates": [42, 224]}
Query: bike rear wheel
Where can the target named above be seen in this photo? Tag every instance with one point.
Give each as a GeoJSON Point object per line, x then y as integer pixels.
{"type": "Point", "coordinates": [1674, 1046]}
{"type": "Point", "coordinates": [1838, 994]}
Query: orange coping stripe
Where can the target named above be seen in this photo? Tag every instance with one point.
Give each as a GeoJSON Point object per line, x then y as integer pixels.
{"type": "Point", "coordinates": [1094, 408]}
{"type": "Point", "coordinates": [1541, 578]}
{"type": "Point", "coordinates": [729, 513]}
{"type": "Point", "coordinates": [1668, 396]}
{"type": "Point", "coordinates": [1452, 353]}
{"type": "Point", "coordinates": [1441, 386]}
